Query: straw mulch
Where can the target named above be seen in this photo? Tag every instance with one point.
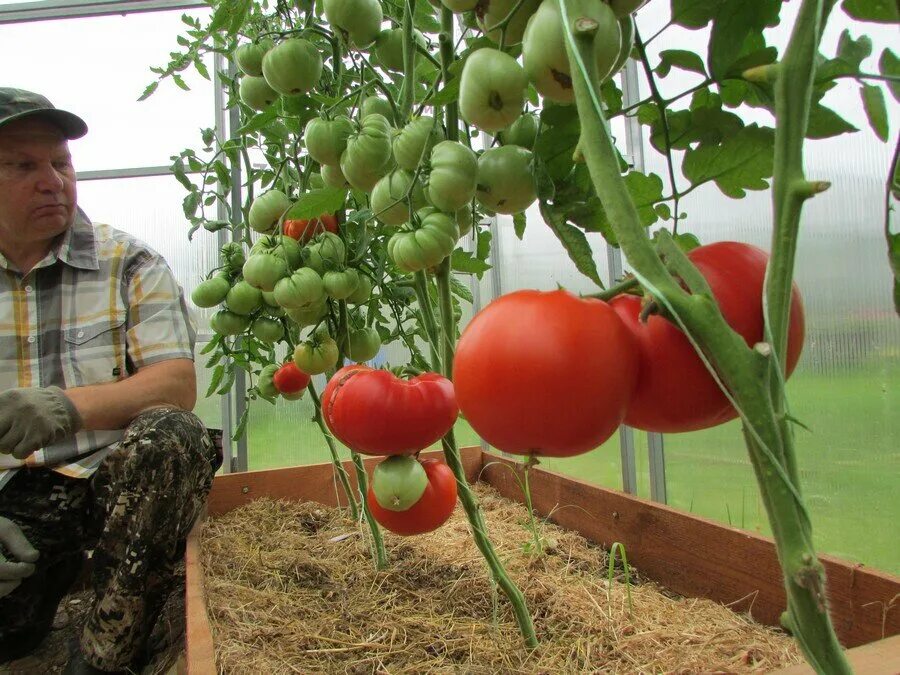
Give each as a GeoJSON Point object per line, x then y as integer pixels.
{"type": "Point", "coordinates": [288, 591]}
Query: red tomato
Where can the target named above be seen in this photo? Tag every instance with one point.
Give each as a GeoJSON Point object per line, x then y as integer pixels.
{"type": "Point", "coordinates": [289, 379]}
{"type": "Point", "coordinates": [304, 230]}
{"type": "Point", "coordinates": [432, 510]}
{"type": "Point", "coordinates": [675, 391]}
{"type": "Point", "coordinates": [545, 373]}
{"type": "Point", "coordinates": [376, 413]}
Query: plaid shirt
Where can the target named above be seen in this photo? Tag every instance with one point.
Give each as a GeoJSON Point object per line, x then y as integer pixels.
{"type": "Point", "coordinates": [95, 310]}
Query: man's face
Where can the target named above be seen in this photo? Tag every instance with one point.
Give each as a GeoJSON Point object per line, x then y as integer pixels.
{"type": "Point", "coordinates": [37, 184]}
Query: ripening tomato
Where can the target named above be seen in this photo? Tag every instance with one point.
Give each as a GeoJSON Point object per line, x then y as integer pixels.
{"type": "Point", "coordinates": [304, 230]}
{"type": "Point", "coordinates": [675, 391]}
{"type": "Point", "coordinates": [433, 508]}
{"type": "Point", "coordinates": [289, 379]}
{"type": "Point", "coordinates": [545, 373]}
{"type": "Point", "coordinates": [377, 413]}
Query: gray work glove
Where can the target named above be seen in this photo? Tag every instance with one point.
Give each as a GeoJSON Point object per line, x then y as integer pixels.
{"type": "Point", "coordinates": [34, 417]}
{"type": "Point", "coordinates": [22, 556]}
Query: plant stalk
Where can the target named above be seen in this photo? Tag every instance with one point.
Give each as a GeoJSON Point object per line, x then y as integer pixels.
{"type": "Point", "coordinates": [381, 559]}
{"type": "Point", "coordinates": [338, 465]}
{"type": "Point", "coordinates": [743, 372]}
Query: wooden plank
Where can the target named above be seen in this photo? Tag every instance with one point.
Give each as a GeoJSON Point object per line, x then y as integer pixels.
{"type": "Point", "coordinates": [315, 482]}
{"type": "Point", "coordinates": [200, 655]}
{"type": "Point", "coordinates": [875, 658]}
{"type": "Point", "coordinates": [697, 557]}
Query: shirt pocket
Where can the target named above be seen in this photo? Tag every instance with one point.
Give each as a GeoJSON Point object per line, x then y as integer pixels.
{"type": "Point", "coordinates": [97, 351]}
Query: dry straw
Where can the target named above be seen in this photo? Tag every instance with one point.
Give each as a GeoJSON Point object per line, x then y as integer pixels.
{"type": "Point", "coordinates": [290, 592]}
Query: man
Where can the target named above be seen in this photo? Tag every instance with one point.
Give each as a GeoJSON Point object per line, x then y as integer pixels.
{"type": "Point", "coordinates": [98, 449]}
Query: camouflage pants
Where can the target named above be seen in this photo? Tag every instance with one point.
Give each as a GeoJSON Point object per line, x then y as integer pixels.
{"type": "Point", "coordinates": [134, 512]}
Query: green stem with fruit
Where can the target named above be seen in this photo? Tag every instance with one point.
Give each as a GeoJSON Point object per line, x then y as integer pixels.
{"type": "Point", "coordinates": [447, 339]}
{"type": "Point", "coordinates": [745, 373]}
{"type": "Point", "coordinates": [338, 465]}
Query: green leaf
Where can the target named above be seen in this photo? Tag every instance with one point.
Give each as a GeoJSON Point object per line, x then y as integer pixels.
{"type": "Point", "coordinates": [462, 261]}
{"type": "Point", "coordinates": [736, 22]}
{"type": "Point", "coordinates": [876, 111]}
{"type": "Point", "coordinates": [460, 290]}
{"type": "Point", "coordinates": [190, 203]}
{"type": "Point", "coordinates": [212, 344]}
{"type": "Point", "coordinates": [741, 162]}
{"type": "Point", "coordinates": [894, 255]}
{"type": "Point", "coordinates": [149, 91]}
{"type": "Point", "coordinates": [825, 123]}
{"type": "Point", "coordinates": [258, 121]}
{"type": "Point", "coordinates": [679, 58]}
{"type": "Point", "coordinates": [889, 64]}
{"type": "Point", "coordinates": [242, 425]}
{"type": "Point", "coordinates": [180, 82]}
{"type": "Point", "coordinates": [208, 136]}
{"type": "Point", "coordinates": [316, 202]}
{"type": "Point", "coordinates": [519, 225]}
{"type": "Point", "coordinates": [201, 68]}
{"type": "Point", "coordinates": [876, 11]}
{"type": "Point", "coordinates": [215, 380]}
{"type": "Point", "coordinates": [646, 192]}
{"type": "Point", "coordinates": [685, 240]}
{"type": "Point", "coordinates": [576, 244]}
{"type": "Point", "coordinates": [612, 96]}
{"type": "Point", "coordinates": [854, 52]}
{"type": "Point", "coordinates": [694, 14]}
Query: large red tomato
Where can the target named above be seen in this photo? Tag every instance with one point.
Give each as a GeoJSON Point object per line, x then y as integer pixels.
{"type": "Point", "coordinates": [432, 510]}
{"type": "Point", "coordinates": [675, 391]}
{"type": "Point", "coordinates": [377, 413]}
{"type": "Point", "coordinates": [545, 373]}
{"type": "Point", "coordinates": [305, 230]}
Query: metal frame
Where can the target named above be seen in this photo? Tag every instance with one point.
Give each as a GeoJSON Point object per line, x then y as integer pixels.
{"type": "Point", "coordinates": [48, 10]}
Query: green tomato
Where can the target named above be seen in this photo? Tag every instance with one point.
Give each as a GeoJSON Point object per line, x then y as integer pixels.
{"type": "Point", "coordinates": [544, 49]}
{"type": "Point", "coordinates": [269, 299]}
{"type": "Point", "coordinates": [265, 384]}
{"type": "Point", "coordinates": [491, 89]}
{"type": "Point", "coordinates": [464, 220]}
{"type": "Point", "coordinates": [256, 93]}
{"type": "Point", "coordinates": [232, 257]}
{"type": "Point", "coordinates": [267, 330]}
{"type": "Point", "coordinates": [460, 6]}
{"type": "Point", "coordinates": [243, 298]}
{"type": "Point", "coordinates": [249, 56]}
{"type": "Point", "coordinates": [333, 177]}
{"type": "Point", "coordinates": [308, 316]}
{"type": "Point", "coordinates": [297, 395]}
{"type": "Point", "coordinates": [451, 184]}
{"type": "Point", "coordinates": [388, 201]}
{"type": "Point", "coordinates": [413, 143]}
{"type": "Point", "coordinates": [224, 322]}
{"type": "Point", "coordinates": [327, 252]}
{"type": "Point", "coordinates": [359, 21]}
{"type": "Point", "coordinates": [292, 67]}
{"type": "Point", "coordinates": [267, 209]}
{"type": "Point", "coordinates": [398, 482]}
{"type": "Point", "coordinates": [211, 292]}
{"type": "Point", "coordinates": [263, 270]}
{"type": "Point", "coordinates": [522, 132]}
{"type": "Point", "coordinates": [492, 12]}
{"type": "Point", "coordinates": [326, 140]}
{"type": "Point", "coordinates": [373, 105]}
{"type": "Point", "coordinates": [303, 288]}
{"type": "Point", "coordinates": [389, 47]}
{"type": "Point", "coordinates": [316, 356]}
{"type": "Point", "coordinates": [626, 29]}
{"type": "Point", "coordinates": [505, 180]}
{"type": "Point", "coordinates": [362, 292]}
{"type": "Point", "coordinates": [368, 155]}
{"type": "Point", "coordinates": [427, 245]}
{"type": "Point", "coordinates": [362, 344]}
{"type": "Point", "coordinates": [284, 247]}
{"type": "Point", "coordinates": [340, 285]}
{"type": "Point", "coordinates": [273, 312]}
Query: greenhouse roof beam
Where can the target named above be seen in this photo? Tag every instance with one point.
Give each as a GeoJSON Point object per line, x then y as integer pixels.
{"type": "Point", "coordinates": [44, 10]}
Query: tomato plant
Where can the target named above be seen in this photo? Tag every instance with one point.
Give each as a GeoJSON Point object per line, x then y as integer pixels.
{"type": "Point", "coordinates": [432, 509]}
{"type": "Point", "coordinates": [377, 413]}
{"type": "Point", "coordinates": [530, 379]}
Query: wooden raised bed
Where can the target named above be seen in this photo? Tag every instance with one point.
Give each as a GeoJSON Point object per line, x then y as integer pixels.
{"type": "Point", "coordinates": [687, 554]}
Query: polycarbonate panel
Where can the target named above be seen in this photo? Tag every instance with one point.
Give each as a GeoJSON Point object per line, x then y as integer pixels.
{"type": "Point", "coordinates": [97, 67]}
{"type": "Point", "coordinates": [845, 389]}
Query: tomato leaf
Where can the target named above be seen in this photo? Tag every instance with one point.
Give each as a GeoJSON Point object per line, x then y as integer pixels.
{"type": "Point", "coordinates": [149, 91]}
{"type": "Point", "coordinates": [825, 123]}
{"type": "Point", "coordinates": [894, 253]}
{"type": "Point", "coordinates": [242, 425]}
{"type": "Point", "coordinates": [463, 261]}
{"type": "Point", "coordinates": [735, 24]}
{"type": "Point", "coordinates": [741, 162]}
{"type": "Point", "coordinates": [575, 242]}
{"type": "Point", "coordinates": [215, 380]}
{"type": "Point", "coordinates": [447, 94]}
{"type": "Point", "coordinates": [258, 121]}
{"type": "Point", "coordinates": [876, 111]}
{"type": "Point", "coordinates": [889, 64]}
{"type": "Point", "coordinates": [876, 11]}
{"type": "Point", "coordinates": [853, 52]}
{"type": "Point", "coordinates": [460, 290]}
{"type": "Point", "coordinates": [316, 202]}
{"type": "Point", "coordinates": [679, 58]}
{"type": "Point", "coordinates": [694, 14]}
{"type": "Point", "coordinates": [519, 225]}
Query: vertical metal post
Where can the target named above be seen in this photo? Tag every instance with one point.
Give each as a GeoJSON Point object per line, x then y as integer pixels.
{"type": "Point", "coordinates": [226, 401]}
{"type": "Point", "coordinates": [635, 146]}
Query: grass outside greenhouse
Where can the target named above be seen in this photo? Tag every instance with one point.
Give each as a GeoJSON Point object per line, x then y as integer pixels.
{"type": "Point", "coordinates": [854, 507]}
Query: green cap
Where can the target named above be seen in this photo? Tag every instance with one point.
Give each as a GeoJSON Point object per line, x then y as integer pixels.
{"type": "Point", "coordinates": [16, 104]}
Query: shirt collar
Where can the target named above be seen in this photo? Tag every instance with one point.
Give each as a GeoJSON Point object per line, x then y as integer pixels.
{"type": "Point", "coordinates": [78, 246]}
